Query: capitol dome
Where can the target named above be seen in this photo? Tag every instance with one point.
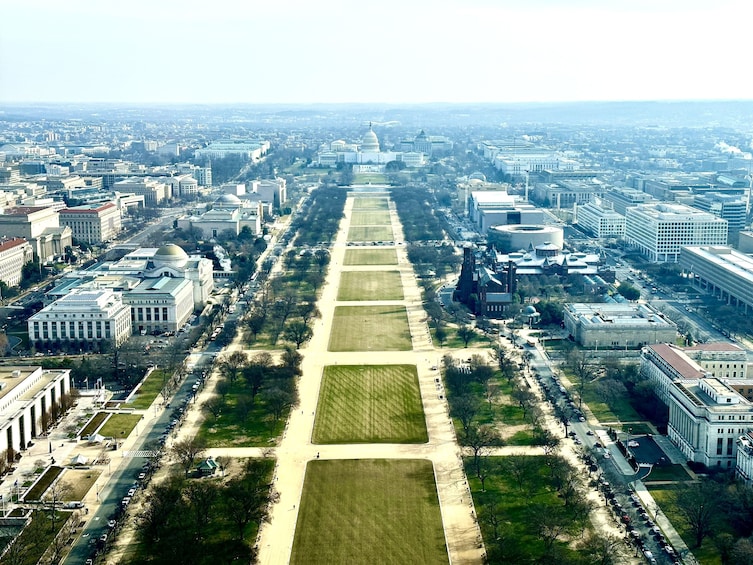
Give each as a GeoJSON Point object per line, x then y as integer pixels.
{"type": "Point", "coordinates": [170, 255]}
{"type": "Point", "coordinates": [370, 142]}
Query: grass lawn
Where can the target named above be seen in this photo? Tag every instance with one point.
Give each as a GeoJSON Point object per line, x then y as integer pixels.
{"type": "Point", "coordinates": [617, 410]}
{"type": "Point", "coordinates": [667, 473]}
{"type": "Point", "coordinates": [257, 429]}
{"type": "Point", "coordinates": [370, 203]}
{"type": "Point", "coordinates": [370, 328]}
{"type": "Point", "coordinates": [78, 482]}
{"type": "Point", "coordinates": [357, 257]}
{"type": "Point", "coordinates": [149, 389]}
{"type": "Point", "coordinates": [38, 535]}
{"type": "Point", "coordinates": [370, 285]}
{"type": "Point", "coordinates": [370, 233]}
{"type": "Point", "coordinates": [370, 218]}
{"type": "Point", "coordinates": [513, 503]}
{"type": "Point", "coordinates": [120, 426]}
{"type": "Point", "coordinates": [370, 404]}
{"type": "Point", "coordinates": [93, 424]}
{"type": "Point", "coordinates": [369, 511]}
{"type": "Point", "coordinates": [708, 554]}
{"type": "Point", "coordinates": [36, 492]}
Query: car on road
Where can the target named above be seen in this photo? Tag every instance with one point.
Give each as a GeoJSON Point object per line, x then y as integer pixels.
{"type": "Point", "coordinates": [131, 492]}
{"type": "Point", "coordinates": [142, 476]}
{"type": "Point", "coordinates": [111, 523]}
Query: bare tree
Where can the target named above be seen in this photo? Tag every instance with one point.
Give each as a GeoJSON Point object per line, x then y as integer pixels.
{"type": "Point", "coordinates": [480, 439]}
{"type": "Point", "coordinates": [466, 334]}
{"type": "Point", "coordinates": [602, 549]}
{"type": "Point", "coordinates": [214, 406]}
{"type": "Point", "coordinates": [465, 408]}
{"type": "Point", "coordinates": [700, 505]}
{"type": "Point", "coordinates": [188, 451]}
{"type": "Point", "coordinates": [232, 364]}
{"type": "Point", "coordinates": [55, 495]}
{"type": "Point", "coordinates": [297, 332]}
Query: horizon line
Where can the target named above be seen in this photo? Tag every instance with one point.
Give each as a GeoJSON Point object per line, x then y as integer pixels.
{"type": "Point", "coordinates": [374, 103]}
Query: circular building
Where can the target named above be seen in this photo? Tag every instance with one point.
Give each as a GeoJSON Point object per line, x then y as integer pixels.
{"type": "Point", "coordinates": [511, 238]}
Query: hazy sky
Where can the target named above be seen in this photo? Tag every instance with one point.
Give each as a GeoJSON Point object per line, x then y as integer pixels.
{"type": "Point", "coordinates": [407, 51]}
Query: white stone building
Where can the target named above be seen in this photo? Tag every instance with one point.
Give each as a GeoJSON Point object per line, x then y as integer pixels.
{"type": "Point", "coordinates": [93, 223]}
{"type": "Point", "coordinates": [14, 254]}
{"type": "Point", "coordinates": [26, 393]}
{"type": "Point", "coordinates": [84, 317]}
{"type": "Point", "coordinates": [600, 220]}
{"type": "Point", "coordinates": [659, 231]}
{"type": "Point", "coordinates": [616, 326]}
{"type": "Point", "coordinates": [706, 419]}
{"type": "Point", "coordinates": [40, 226]}
{"type": "Point", "coordinates": [725, 273]}
{"type": "Point", "coordinates": [228, 214]}
{"type": "Point", "coordinates": [160, 305]}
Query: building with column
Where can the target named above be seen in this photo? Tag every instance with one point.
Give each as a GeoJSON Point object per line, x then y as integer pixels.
{"type": "Point", "coordinates": [83, 318]}
{"type": "Point", "coordinates": [93, 223]}
{"type": "Point", "coordinates": [15, 252]}
{"type": "Point", "coordinates": [160, 305]}
{"type": "Point", "coordinates": [228, 214]}
{"type": "Point", "coordinates": [26, 394]}
{"type": "Point", "coordinates": [706, 420]}
{"type": "Point", "coordinates": [659, 231]}
{"type": "Point", "coordinates": [721, 271]}
{"type": "Point", "coordinates": [40, 226]}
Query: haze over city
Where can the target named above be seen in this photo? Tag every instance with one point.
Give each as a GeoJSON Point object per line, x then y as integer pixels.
{"type": "Point", "coordinates": [336, 51]}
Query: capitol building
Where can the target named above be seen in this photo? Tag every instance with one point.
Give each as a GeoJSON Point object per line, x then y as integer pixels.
{"type": "Point", "coordinates": [367, 157]}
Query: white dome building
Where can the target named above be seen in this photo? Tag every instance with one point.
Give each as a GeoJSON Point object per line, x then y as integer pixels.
{"type": "Point", "coordinates": [370, 143]}
{"type": "Point", "coordinates": [171, 256]}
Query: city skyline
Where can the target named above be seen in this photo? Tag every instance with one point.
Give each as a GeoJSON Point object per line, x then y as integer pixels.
{"type": "Point", "coordinates": [295, 52]}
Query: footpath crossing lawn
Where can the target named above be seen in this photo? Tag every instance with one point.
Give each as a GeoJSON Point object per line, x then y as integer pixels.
{"type": "Point", "coordinates": [370, 218]}
{"type": "Point", "coordinates": [370, 404]}
{"type": "Point", "coordinates": [370, 285]}
{"type": "Point", "coordinates": [367, 203]}
{"type": "Point", "coordinates": [369, 511]}
{"type": "Point", "coordinates": [370, 328]}
{"type": "Point", "coordinates": [360, 257]}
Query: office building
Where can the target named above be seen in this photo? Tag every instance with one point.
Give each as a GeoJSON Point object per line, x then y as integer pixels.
{"type": "Point", "coordinates": [721, 271]}
{"type": "Point", "coordinates": [93, 223]}
{"type": "Point", "coordinates": [659, 231]}
{"type": "Point", "coordinates": [15, 252]}
{"type": "Point", "coordinates": [600, 220]}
